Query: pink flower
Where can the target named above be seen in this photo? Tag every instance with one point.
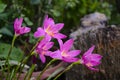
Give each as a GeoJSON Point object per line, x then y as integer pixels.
{"type": "Point", "coordinates": [50, 29]}
{"type": "Point", "coordinates": [90, 60]}
{"type": "Point", "coordinates": [18, 29]}
{"type": "Point", "coordinates": [43, 49]}
{"type": "Point", "coordinates": [64, 53]}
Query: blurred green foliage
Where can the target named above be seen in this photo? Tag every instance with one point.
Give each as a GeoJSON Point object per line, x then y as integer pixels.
{"type": "Point", "coordinates": [17, 53]}
{"type": "Point", "coordinates": [70, 11]}
{"type": "Point", "coordinates": [33, 11]}
{"type": "Point", "coordinates": [67, 11]}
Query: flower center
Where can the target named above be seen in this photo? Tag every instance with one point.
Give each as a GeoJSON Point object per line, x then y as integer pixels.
{"type": "Point", "coordinates": [44, 48]}
{"type": "Point", "coordinates": [49, 31]}
{"type": "Point", "coordinates": [64, 53]}
{"type": "Point", "coordinates": [43, 52]}
{"type": "Point", "coordinates": [89, 64]}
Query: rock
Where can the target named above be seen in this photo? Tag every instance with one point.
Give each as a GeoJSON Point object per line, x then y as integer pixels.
{"type": "Point", "coordinates": [107, 42]}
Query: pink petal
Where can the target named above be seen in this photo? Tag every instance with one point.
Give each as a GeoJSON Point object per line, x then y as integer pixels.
{"type": "Point", "coordinates": [94, 69]}
{"type": "Point", "coordinates": [45, 20]}
{"type": "Point", "coordinates": [95, 63]}
{"type": "Point", "coordinates": [48, 37]}
{"type": "Point", "coordinates": [18, 23]}
{"type": "Point", "coordinates": [70, 59]}
{"type": "Point", "coordinates": [48, 45]}
{"type": "Point", "coordinates": [40, 32]}
{"type": "Point", "coordinates": [89, 51]}
{"type": "Point", "coordinates": [48, 22]}
{"type": "Point", "coordinates": [61, 44]}
{"type": "Point", "coordinates": [56, 55]}
{"type": "Point", "coordinates": [92, 57]}
{"type": "Point", "coordinates": [58, 27]}
{"type": "Point", "coordinates": [42, 57]}
{"type": "Point", "coordinates": [68, 44]}
{"type": "Point", "coordinates": [74, 53]}
{"type": "Point", "coordinates": [42, 42]}
{"type": "Point", "coordinates": [24, 30]}
{"type": "Point", "coordinates": [59, 36]}
{"type": "Point", "coordinates": [96, 57]}
{"type": "Point", "coordinates": [48, 53]}
{"type": "Point", "coordinates": [87, 58]}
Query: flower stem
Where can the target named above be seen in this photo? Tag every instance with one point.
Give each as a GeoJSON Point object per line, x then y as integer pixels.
{"type": "Point", "coordinates": [12, 45]}
{"type": "Point", "coordinates": [69, 67]}
{"type": "Point", "coordinates": [29, 73]}
{"type": "Point", "coordinates": [23, 64]}
{"type": "Point", "coordinates": [39, 76]}
{"type": "Point", "coordinates": [10, 50]}
{"type": "Point", "coordinates": [26, 58]}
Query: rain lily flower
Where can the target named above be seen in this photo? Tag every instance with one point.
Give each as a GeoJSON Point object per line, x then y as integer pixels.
{"type": "Point", "coordinates": [90, 60]}
{"type": "Point", "coordinates": [50, 29]}
{"type": "Point", "coordinates": [43, 49]}
{"type": "Point", "coordinates": [18, 29]}
{"type": "Point", "coordinates": [64, 53]}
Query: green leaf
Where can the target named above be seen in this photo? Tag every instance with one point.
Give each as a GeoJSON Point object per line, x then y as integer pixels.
{"type": "Point", "coordinates": [32, 40]}
{"type": "Point", "coordinates": [4, 15]}
{"type": "Point", "coordinates": [26, 19]}
{"type": "Point", "coordinates": [55, 12]}
{"type": "Point", "coordinates": [6, 31]}
{"type": "Point", "coordinates": [2, 7]}
{"type": "Point", "coordinates": [16, 54]}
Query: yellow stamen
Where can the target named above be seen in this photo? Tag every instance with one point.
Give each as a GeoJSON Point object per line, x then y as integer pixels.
{"type": "Point", "coordinates": [48, 31]}
{"type": "Point", "coordinates": [64, 53]}
{"type": "Point", "coordinates": [89, 64]}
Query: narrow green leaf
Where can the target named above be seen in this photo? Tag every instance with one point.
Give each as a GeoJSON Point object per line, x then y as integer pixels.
{"type": "Point", "coordinates": [2, 7]}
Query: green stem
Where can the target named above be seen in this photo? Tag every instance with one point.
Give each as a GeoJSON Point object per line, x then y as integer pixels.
{"type": "Point", "coordinates": [22, 65]}
{"type": "Point", "coordinates": [69, 67]}
{"type": "Point", "coordinates": [12, 73]}
{"type": "Point", "coordinates": [26, 58]}
{"type": "Point", "coordinates": [16, 69]}
{"type": "Point", "coordinates": [10, 50]}
{"type": "Point", "coordinates": [31, 53]}
{"type": "Point", "coordinates": [55, 73]}
{"type": "Point", "coordinates": [29, 73]}
{"type": "Point", "coordinates": [12, 45]}
{"type": "Point", "coordinates": [39, 76]}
